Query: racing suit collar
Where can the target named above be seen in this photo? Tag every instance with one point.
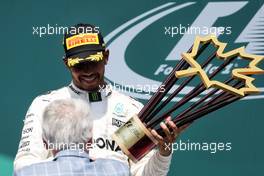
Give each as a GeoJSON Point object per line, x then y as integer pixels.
{"type": "Point", "coordinates": [105, 90]}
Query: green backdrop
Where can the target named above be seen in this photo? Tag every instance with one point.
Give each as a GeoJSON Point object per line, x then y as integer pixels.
{"type": "Point", "coordinates": [31, 65]}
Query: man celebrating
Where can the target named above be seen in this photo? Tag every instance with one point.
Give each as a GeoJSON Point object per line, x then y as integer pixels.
{"type": "Point", "coordinates": [86, 57]}
{"type": "Point", "coordinates": [67, 132]}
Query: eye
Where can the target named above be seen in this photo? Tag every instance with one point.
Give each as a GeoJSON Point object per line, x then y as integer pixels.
{"type": "Point", "coordinates": [87, 65]}
{"type": "Point", "coordinates": [79, 67]}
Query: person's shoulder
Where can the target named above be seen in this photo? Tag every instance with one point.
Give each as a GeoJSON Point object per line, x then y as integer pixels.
{"type": "Point", "coordinates": [41, 101]}
{"type": "Point", "coordinates": [55, 94]}
{"type": "Point", "coordinates": [119, 166]}
{"type": "Point", "coordinates": [51, 95]}
{"type": "Point", "coordinates": [112, 161]}
{"type": "Point", "coordinates": [36, 169]}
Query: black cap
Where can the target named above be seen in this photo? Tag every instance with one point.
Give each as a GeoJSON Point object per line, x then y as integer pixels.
{"type": "Point", "coordinates": [83, 42]}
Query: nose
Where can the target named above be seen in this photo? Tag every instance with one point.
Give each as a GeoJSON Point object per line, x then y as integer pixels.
{"type": "Point", "coordinates": [87, 67]}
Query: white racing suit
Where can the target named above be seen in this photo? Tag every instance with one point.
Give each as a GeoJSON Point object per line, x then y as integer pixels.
{"type": "Point", "coordinates": [109, 114]}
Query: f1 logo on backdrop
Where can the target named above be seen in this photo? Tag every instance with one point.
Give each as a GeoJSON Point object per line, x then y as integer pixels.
{"type": "Point", "coordinates": [118, 72]}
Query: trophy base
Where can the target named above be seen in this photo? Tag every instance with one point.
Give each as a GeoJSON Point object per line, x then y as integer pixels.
{"type": "Point", "coordinates": [134, 139]}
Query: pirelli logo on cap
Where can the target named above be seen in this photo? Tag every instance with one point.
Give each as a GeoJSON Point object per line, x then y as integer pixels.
{"type": "Point", "coordinates": [82, 39]}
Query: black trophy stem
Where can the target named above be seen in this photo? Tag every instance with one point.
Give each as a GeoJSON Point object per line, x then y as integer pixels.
{"type": "Point", "coordinates": [196, 91]}
{"type": "Point", "coordinates": [187, 81]}
{"type": "Point", "coordinates": [157, 97]}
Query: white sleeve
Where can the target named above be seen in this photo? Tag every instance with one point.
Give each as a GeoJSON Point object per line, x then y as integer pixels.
{"type": "Point", "coordinates": [31, 148]}
{"type": "Point", "coordinates": [153, 164]}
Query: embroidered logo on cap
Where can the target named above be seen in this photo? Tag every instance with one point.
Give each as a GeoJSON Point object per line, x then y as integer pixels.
{"type": "Point", "coordinates": [93, 57]}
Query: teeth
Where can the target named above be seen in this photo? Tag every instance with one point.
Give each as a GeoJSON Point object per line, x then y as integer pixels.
{"type": "Point", "coordinates": [88, 75]}
{"type": "Point", "coordinates": [89, 78]}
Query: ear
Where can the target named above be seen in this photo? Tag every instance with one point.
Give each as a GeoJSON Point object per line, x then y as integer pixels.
{"type": "Point", "coordinates": [106, 56]}
{"type": "Point", "coordinates": [89, 144]}
{"type": "Point", "coordinates": [65, 62]}
{"type": "Point", "coordinates": [90, 141]}
{"type": "Point", "coordinates": [45, 144]}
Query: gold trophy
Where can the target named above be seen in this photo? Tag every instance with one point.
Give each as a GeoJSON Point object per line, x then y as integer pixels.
{"type": "Point", "coordinates": [134, 137]}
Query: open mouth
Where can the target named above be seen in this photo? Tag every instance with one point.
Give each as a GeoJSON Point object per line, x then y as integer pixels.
{"type": "Point", "coordinates": [89, 78]}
